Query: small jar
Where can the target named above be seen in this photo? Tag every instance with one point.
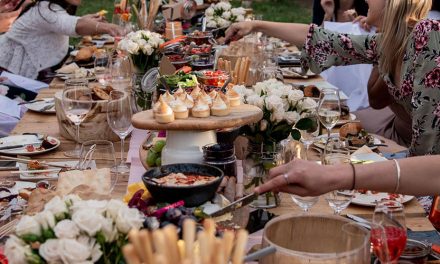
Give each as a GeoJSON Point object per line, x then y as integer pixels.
{"type": "Point", "coordinates": [416, 252]}
{"type": "Point", "coordinates": [221, 156]}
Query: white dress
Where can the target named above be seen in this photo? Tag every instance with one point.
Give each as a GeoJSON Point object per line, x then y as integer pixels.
{"type": "Point", "coordinates": [39, 39]}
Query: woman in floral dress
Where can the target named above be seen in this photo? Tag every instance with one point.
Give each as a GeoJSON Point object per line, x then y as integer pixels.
{"type": "Point", "coordinates": [407, 53]}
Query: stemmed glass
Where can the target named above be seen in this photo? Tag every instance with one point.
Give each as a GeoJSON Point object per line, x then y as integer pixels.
{"type": "Point", "coordinates": [102, 67]}
{"type": "Point", "coordinates": [119, 113]}
{"type": "Point", "coordinates": [308, 136]}
{"type": "Point", "coordinates": [121, 72]}
{"type": "Point", "coordinates": [76, 102]}
{"type": "Point", "coordinates": [338, 200]}
{"type": "Point", "coordinates": [329, 108]}
{"type": "Point", "coordinates": [389, 223]}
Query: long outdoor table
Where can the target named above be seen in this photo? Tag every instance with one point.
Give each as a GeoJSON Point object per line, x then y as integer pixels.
{"type": "Point", "coordinates": [47, 124]}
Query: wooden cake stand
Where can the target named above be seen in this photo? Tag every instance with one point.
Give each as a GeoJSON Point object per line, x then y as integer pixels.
{"type": "Point", "coordinates": [186, 137]}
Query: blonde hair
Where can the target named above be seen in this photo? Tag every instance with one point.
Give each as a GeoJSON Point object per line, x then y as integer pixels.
{"type": "Point", "coordinates": [399, 19]}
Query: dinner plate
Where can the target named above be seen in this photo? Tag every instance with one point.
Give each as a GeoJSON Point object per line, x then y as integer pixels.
{"type": "Point", "coordinates": [23, 140]}
{"type": "Point", "coordinates": [295, 72]}
{"type": "Point", "coordinates": [321, 140]}
{"type": "Point", "coordinates": [370, 199]}
{"type": "Point", "coordinates": [345, 121]}
{"type": "Point", "coordinates": [43, 106]}
{"type": "Point", "coordinates": [48, 175]}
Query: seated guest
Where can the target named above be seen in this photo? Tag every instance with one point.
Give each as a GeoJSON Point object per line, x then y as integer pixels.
{"type": "Point", "coordinates": [338, 10]}
{"type": "Point", "coordinates": [39, 38]}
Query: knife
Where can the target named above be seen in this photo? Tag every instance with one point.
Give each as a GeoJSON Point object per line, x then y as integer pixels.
{"type": "Point", "coordinates": [18, 146]}
{"type": "Point", "coordinates": [47, 107]}
{"type": "Point", "coordinates": [361, 221]}
{"type": "Point", "coordinates": [235, 205]}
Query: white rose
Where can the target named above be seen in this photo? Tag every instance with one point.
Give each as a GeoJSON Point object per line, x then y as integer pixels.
{"type": "Point", "coordinates": [291, 117]}
{"type": "Point", "coordinates": [274, 103]}
{"type": "Point", "coordinates": [275, 91]}
{"type": "Point", "coordinates": [286, 104]}
{"type": "Point", "coordinates": [16, 250]}
{"type": "Point", "coordinates": [263, 125]}
{"type": "Point", "coordinates": [70, 199]}
{"type": "Point", "coordinates": [94, 248]}
{"type": "Point", "coordinates": [127, 219]}
{"type": "Point", "coordinates": [286, 90]}
{"type": "Point", "coordinates": [91, 205]}
{"type": "Point", "coordinates": [211, 23]}
{"type": "Point", "coordinates": [209, 11]}
{"type": "Point", "coordinates": [66, 229]}
{"type": "Point", "coordinates": [224, 5]}
{"type": "Point", "coordinates": [88, 220]}
{"type": "Point", "coordinates": [56, 206]}
{"type": "Point", "coordinates": [46, 219]}
{"type": "Point", "coordinates": [259, 88]}
{"type": "Point", "coordinates": [28, 226]}
{"type": "Point", "coordinates": [72, 251]}
{"type": "Point", "coordinates": [308, 104]}
{"type": "Point", "coordinates": [3, 89]}
{"type": "Point", "coordinates": [223, 22]}
{"type": "Point", "coordinates": [109, 230]}
{"type": "Point", "coordinates": [238, 11]}
{"type": "Point", "coordinates": [226, 15]}
{"type": "Point", "coordinates": [240, 89]}
{"type": "Point", "coordinates": [277, 116]}
{"type": "Point", "coordinates": [113, 207]}
{"type": "Point", "coordinates": [239, 18]}
{"type": "Point", "coordinates": [49, 250]}
{"type": "Point", "coordinates": [294, 96]}
{"type": "Point", "coordinates": [132, 47]}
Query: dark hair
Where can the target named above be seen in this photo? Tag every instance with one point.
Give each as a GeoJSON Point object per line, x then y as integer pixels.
{"type": "Point", "coordinates": [435, 5]}
{"type": "Point", "coordinates": [360, 6]}
{"type": "Point", "coordinates": [70, 9]}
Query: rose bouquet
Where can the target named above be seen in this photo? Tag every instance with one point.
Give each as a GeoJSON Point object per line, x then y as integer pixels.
{"type": "Point", "coordinates": [72, 230]}
{"type": "Point", "coordinates": [143, 47]}
{"type": "Point", "coordinates": [222, 15]}
{"type": "Point", "coordinates": [285, 110]}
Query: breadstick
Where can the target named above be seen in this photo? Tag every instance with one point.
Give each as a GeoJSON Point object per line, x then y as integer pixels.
{"type": "Point", "coordinates": [237, 70]}
{"type": "Point", "coordinates": [170, 232]}
{"type": "Point", "coordinates": [133, 237]}
{"type": "Point", "coordinates": [240, 246]}
{"type": "Point", "coordinates": [189, 234]}
{"type": "Point", "coordinates": [228, 66]}
{"type": "Point", "coordinates": [160, 259]}
{"type": "Point", "coordinates": [160, 244]}
{"type": "Point", "coordinates": [220, 64]}
{"type": "Point", "coordinates": [242, 73]}
{"type": "Point", "coordinates": [228, 243]}
{"type": "Point", "coordinates": [218, 257]}
{"type": "Point", "coordinates": [145, 239]}
{"type": "Point", "coordinates": [205, 247]}
{"type": "Point", "coordinates": [246, 70]}
{"type": "Point", "coordinates": [130, 256]}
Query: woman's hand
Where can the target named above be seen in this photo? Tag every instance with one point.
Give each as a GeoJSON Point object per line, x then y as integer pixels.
{"type": "Point", "coordinates": [362, 20]}
{"type": "Point", "coordinates": [115, 30]}
{"type": "Point", "coordinates": [239, 30]}
{"type": "Point", "coordinates": [95, 17]}
{"type": "Point", "coordinates": [329, 9]}
{"type": "Point", "coordinates": [304, 178]}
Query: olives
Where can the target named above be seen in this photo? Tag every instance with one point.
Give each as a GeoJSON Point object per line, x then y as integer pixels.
{"type": "Point", "coordinates": [154, 154]}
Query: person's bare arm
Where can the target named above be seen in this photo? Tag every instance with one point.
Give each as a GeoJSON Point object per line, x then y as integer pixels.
{"type": "Point", "coordinates": [419, 176]}
{"type": "Point", "coordinates": [291, 32]}
{"type": "Point", "coordinates": [6, 20]}
{"type": "Point", "coordinates": [89, 26]}
{"type": "Point", "coordinates": [378, 95]}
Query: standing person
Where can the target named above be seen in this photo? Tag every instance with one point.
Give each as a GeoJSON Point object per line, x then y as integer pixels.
{"type": "Point", "coordinates": [337, 10]}
{"type": "Point", "coordinates": [39, 38]}
{"type": "Point", "coordinates": [406, 53]}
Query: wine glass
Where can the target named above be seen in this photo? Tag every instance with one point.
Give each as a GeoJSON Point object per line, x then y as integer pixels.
{"type": "Point", "coordinates": [333, 154]}
{"type": "Point", "coordinates": [329, 108]}
{"type": "Point", "coordinates": [356, 240]}
{"type": "Point", "coordinates": [308, 135]}
{"type": "Point", "coordinates": [119, 113]}
{"type": "Point", "coordinates": [76, 102]}
{"type": "Point", "coordinates": [99, 154]}
{"type": "Point", "coordinates": [121, 72]}
{"type": "Point", "coordinates": [101, 66]}
{"type": "Point", "coordinates": [389, 220]}
{"type": "Point", "coordinates": [304, 202]}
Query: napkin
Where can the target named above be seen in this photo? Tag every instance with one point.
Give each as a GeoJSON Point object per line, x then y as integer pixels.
{"type": "Point", "coordinates": [68, 69]}
{"type": "Point", "coordinates": [22, 82]}
{"type": "Point", "coordinates": [366, 155]}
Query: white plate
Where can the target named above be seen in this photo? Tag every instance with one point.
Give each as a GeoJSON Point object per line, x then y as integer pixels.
{"type": "Point", "coordinates": [367, 158]}
{"type": "Point", "coordinates": [370, 199]}
{"type": "Point", "coordinates": [320, 142]}
{"type": "Point", "coordinates": [73, 53]}
{"type": "Point", "coordinates": [48, 175]}
{"type": "Point", "coordinates": [345, 121]}
{"type": "Point", "coordinates": [295, 72]}
{"type": "Point", "coordinates": [22, 140]}
{"type": "Point", "coordinates": [38, 106]}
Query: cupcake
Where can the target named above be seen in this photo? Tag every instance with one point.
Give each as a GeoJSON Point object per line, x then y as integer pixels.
{"type": "Point", "coordinates": [168, 98]}
{"type": "Point", "coordinates": [200, 108]}
{"type": "Point", "coordinates": [165, 113]}
{"type": "Point", "coordinates": [156, 105]}
{"type": "Point", "coordinates": [225, 98]}
{"type": "Point", "coordinates": [234, 97]}
{"type": "Point", "coordinates": [206, 97]}
{"type": "Point", "coordinates": [219, 107]}
{"type": "Point", "coordinates": [178, 92]}
{"type": "Point", "coordinates": [195, 92]}
{"type": "Point", "coordinates": [180, 110]}
{"type": "Point", "coordinates": [213, 94]}
{"type": "Point", "coordinates": [188, 101]}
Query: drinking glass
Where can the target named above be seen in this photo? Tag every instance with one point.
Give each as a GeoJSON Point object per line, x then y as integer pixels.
{"type": "Point", "coordinates": [389, 220]}
{"type": "Point", "coordinates": [76, 103]}
{"type": "Point", "coordinates": [308, 135]}
{"type": "Point", "coordinates": [101, 66]}
{"type": "Point", "coordinates": [338, 200]}
{"type": "Point", "coordinates": [121, 72]}
{"type": "Point", "coordinates": [356, 240]}
{"type": "Point", "coordinates": [119, 113]}
{"type": "Point", "coordinates": [329, 108]}
{"type": "Point", "coordinates": [304, 202]}
{"type": "Point", "coordinates": [99, 154]}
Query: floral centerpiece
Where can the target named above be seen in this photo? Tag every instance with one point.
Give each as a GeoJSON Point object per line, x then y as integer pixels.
{"type": "Point", "coordinates": [143, 47]}
{"type": "Point", "coordinates": [285, 110]}
{"type": "Point", "coordinates": [71, 230]}
{"type": "Point", "coordinates": [222, 15]}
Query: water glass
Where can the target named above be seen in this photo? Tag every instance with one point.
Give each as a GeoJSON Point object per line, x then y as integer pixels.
{"type": "Point", "coordinates": [102, 67]}
{"type": "Point", "coordinates": [121, 72]}
{"type": "Point", "coordinates": [308, 135]}
{"type": "Point", "coordinates": [304, 202]}
{"type": "Point", "coordinates": [99, 154]}
{"type": "Point", "coordinates": [357, 244]}
{"type": "Point", "coordinates": [119, 113]}
{"type": "Point", "coordinates": [76, 102]}
{"type": "Point", "coordinates": [329, 108]}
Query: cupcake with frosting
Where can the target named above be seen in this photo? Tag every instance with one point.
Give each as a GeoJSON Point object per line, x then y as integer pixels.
{"type": "Point", "coordinates": [195, 92]}
{"type": "Point", "coordinates": [178, 92]}
{"type": "Point", "coordinates": [168, 98]}
{"type": "Point", "coordinates": [164, 114]}
{"type": "Point", "coordinates": [200, 108]}
{"type": "Point", "coordinates": [234, 97]}
{"type": "Point", "coordinates": [206, 97]}
{"type": "Point", "coordinates": [219, 107]}
{"type": "Point", "coordinates": [213, 94]}
{"type": "Point", "coordinates": [180, 110]}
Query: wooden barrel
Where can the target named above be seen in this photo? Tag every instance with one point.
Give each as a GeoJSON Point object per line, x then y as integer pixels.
{"type": "Point", "coordinates": [315, 239]}
{"type": "Point", "coordinates": [93, 127]}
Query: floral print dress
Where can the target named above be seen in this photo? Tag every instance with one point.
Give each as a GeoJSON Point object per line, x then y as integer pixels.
{"type": "Point", "coordinates": [419, 92]}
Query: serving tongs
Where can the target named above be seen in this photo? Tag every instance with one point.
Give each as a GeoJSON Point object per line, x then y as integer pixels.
{"type": "Point", "coordinates": [235, 205]}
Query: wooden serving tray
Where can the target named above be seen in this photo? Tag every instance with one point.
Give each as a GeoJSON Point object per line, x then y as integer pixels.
{"type": "Point", "coordinates": [239, 116]}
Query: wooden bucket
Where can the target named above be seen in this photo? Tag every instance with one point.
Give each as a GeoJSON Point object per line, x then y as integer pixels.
{"type": "Point", "coordinates": [94, 126]}
{"type": "Point", "coordinates": [315, 239]}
